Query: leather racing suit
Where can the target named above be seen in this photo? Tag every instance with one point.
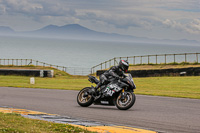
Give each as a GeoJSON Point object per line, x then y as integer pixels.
{"type": "Point", "coordinates": [114, 72]}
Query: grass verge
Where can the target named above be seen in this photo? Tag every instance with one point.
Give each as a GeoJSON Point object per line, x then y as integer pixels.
{"type": "Point", "coordinates": [186, 87]}
{"type": "Point", "coordinates": [15, 123]}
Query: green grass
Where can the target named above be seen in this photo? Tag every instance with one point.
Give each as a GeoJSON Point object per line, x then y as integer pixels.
{"type": "Point", "coordinates": [15, 123]}
{"type": "Point", "coordinates": [187, 87]}
{"type": "Point", "coordinates": [69, 83]}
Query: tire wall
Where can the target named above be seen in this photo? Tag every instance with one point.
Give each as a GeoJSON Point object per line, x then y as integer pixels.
{"type": "Point", "coordinates": [191, 71]}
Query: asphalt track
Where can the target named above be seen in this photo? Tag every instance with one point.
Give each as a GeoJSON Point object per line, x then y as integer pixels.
{"type": "Point", "coordinates": [162, 114]}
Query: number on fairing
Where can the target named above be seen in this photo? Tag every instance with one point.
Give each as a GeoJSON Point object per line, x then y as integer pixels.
{"type": "Point", "coordinates": [109, 91]}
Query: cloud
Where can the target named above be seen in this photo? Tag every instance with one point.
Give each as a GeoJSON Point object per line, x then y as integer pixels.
{"type": "Point", "coordinates": [2, 10]}
{"type": "Point", "coordinates": [171, 24]}
{"type": "Point", "coordinates": [20, 6]}
{"type": "Point", "coordinates": [127, 16]}
{"type": "Point", "coordinates": [146, 14]}
{"type": "Point", "coordinates": [192, 27]}
{"type": "Point", "coordinates": [35, 8]}
{"type": "Point", "coordinates": [182, 5]}
{"type": "Point", "coordinates": [120, 20]}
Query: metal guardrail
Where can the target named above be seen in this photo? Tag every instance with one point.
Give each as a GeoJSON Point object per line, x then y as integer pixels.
{"type": "Point", "coordinates": [150, 59]}
{"type": "Point", "coordinates": [134, 60]}
{"type": "Point", "coordinates": [28, 62]}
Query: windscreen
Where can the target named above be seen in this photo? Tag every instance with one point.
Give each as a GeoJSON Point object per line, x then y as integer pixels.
{"type": "Point", "coordinates": [131, 81]}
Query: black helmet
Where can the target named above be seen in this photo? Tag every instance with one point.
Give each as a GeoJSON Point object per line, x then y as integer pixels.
{"type": "Point", "coordinates": [123, 64]}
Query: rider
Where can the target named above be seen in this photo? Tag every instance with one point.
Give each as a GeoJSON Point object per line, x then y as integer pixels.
{"type": "Point", "coordinates": [114, 72]}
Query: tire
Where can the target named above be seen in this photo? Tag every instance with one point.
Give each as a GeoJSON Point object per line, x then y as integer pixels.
{"type": "Point", "coordinates": [127, 103]}
{"type": "Point", "coordinates": [84, 101]}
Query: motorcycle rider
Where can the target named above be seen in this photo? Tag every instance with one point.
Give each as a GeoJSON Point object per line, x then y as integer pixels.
{"type": "Point", "coordinates": [114, 72]}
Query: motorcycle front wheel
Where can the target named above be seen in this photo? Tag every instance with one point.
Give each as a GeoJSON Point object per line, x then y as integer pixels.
{"type": "Point", "coordinates": [127, 102]}
{"type": "Point", "coordinates": [83, 98]}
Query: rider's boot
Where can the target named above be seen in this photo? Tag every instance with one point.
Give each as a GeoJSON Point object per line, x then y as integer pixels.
{"type": "Point", "coordinates": [95, 89]}
{"type": "Point", "coordinates": [97, 86]}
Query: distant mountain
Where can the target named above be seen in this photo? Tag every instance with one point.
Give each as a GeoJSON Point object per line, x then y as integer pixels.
{"type": "Point", "coordinates": [76, 31]}
{"type": "Point", "coordinates": [64, 31]}
{"type": "Point", "coordinates": [6, 30]}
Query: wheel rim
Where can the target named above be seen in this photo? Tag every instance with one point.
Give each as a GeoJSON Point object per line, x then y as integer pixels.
{"type": "Point", "coordinates": [126, 101]}
{"type": "Point", "coordinates": [83, 99]}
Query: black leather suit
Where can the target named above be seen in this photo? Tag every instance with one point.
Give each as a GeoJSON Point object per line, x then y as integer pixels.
{"type": "Point", "coordinates": [113, 72]}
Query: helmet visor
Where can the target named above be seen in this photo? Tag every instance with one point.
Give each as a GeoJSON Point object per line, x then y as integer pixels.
{"type": "Point", "coordinates": [125, 65]}
{"type": "Point", "coordinates": [126, 68]}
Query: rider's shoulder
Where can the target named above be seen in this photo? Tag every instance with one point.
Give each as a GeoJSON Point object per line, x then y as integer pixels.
{"type": "Point", "coordinates": [113, 68]}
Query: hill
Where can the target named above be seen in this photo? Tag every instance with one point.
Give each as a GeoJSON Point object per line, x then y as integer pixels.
{"type": "Point", "coordinates": [76, 31]}
{"type": "Point", "coordinates": [4, 30]}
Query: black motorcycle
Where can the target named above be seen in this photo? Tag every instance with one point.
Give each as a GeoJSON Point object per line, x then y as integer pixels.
{"type": "Point", "coordinates": [119, 92]}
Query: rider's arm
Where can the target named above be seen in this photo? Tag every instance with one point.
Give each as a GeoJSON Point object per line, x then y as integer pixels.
{"type": "Point", "coordinates": [113, 73]}
{"type": "Point", "coordinates": [123, 75]}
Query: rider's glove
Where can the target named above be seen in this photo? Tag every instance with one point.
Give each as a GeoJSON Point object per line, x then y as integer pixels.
{"type": "Point", "coordinates": [117, 77]}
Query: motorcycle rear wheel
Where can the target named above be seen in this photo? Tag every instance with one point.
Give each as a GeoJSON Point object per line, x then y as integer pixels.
{"type": "Point", "coordinates": [84, 101]}
{"type": "Point", "coordinates": [127, 103]}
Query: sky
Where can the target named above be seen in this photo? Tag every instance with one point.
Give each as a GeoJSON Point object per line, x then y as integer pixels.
{"type": "Point", "coordinates": [159, 19]}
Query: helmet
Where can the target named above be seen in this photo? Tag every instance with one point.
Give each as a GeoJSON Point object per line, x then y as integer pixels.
{"type": "Point", "coordinates": [123, 64]}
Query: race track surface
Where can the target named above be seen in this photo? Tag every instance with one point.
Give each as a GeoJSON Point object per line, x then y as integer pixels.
{"type": "Point", "coordinates": [162, 114]}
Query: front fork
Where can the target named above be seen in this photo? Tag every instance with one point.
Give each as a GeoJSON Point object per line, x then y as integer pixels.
{"type": "Point", "coordinates": [123, 95]}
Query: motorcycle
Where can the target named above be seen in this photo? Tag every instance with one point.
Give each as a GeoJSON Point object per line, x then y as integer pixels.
{"type": "Point", "coordinates": [119, 93]}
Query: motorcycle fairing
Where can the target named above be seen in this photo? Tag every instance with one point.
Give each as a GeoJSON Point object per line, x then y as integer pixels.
{"type": "Point", "coordinates": [111, 89]}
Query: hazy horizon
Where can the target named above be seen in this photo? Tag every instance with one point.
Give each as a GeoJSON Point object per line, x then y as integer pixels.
{"type": "Point", "coordinates": [174, 20]}
{"type": "Point", "coordinates": [79, 53]}
{"type": "Point", "coordinates": [76, 31]}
